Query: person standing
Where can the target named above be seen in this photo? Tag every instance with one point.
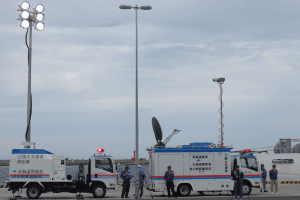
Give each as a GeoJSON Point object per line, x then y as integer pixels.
{"type": "Point", "coordinates": [263, 178]}
{"type": "Point", "coordinates": [126, 176]}
{"type": "Point", "coordinates": [169, 176]}
{"type": "Point", "coordinates": [238, 178]}
{"type": "Point", "coordinates": [141, 180]}
{"type": "Point", "coordinates": [273, 177]}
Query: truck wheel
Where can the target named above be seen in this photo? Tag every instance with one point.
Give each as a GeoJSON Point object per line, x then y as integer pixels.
{"type": "Point", "coordinates": [33, 192]}
{"type": "Point", "coordinates": [247, 189]}
{"type": "Point", "coordinates": [184, 190]}
{"type": "Point", "coordinates": [99, 191]}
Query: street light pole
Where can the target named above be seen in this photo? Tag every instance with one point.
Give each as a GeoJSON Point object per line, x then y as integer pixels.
{"type": "Point", "coordinates": [136, 110]}
{"type": "Point", "coordinates": [136, 97]}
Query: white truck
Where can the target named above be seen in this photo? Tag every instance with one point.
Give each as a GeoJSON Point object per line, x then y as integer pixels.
{"type": "Point", "coordinates": [201, 167]}
{"type": "Point", "coordinates": [40, 171]}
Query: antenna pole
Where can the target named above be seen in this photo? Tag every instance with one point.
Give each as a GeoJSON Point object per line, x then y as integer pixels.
{"type": "Point", "coordinates": [220, 82]}
{"type": "Point", "coordinates": [221, 104]}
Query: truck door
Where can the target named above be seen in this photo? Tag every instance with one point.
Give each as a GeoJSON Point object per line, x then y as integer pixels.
{"type": "Point", "coordinates": [59, 169]}
{"type": "Point", "coordinates": [104, 171]}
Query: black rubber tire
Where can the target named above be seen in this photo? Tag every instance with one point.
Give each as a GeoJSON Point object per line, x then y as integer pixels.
{"type": "Point", "coordinates": [248, 190]}
{"type": "Point", "coordinates": [99, 191]}
{"type": "Point", "coordinates": [183, 190]}
{"type": "Point", "coordinates": [33, 192]}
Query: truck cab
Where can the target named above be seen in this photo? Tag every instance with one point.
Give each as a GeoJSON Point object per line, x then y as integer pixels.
{"type": "Point", "coordinates": [102, 172]}
{"type": "Point", "coordinates": [249, 166]}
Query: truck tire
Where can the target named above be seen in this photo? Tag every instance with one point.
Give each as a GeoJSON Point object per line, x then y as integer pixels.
{"type": "Point", "coordinates": [33, 192]}
{"type": "Point", "coordinates": [247, 188]}
{"type": "Point", "coordinates": [99, 191]}
{"type": "Point", "coordinates": [184, 190]}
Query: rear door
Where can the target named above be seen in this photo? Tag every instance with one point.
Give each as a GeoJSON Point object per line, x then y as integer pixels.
{"type": "Point", "coordinates": [163, 162]}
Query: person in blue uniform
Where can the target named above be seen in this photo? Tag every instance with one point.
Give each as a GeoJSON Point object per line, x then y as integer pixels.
{"type": "Point", "coordinates": [263, 178]}
{"type": "Point", "coordinates": [238, 178]}
{"type": "Point", "coordinates": [169, 176]}
{"type": "Point", "coordinates": [141, 180]}
{"type": "Point", "coordinates": [126, 176]}
{"type": "Point", "coordinates": [273, 177]}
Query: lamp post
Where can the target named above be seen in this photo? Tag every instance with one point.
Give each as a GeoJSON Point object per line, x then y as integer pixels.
{"type": "Point", "coordinates": [136, 98]}
{"type": "Point", "coordinates": [220, 82]}
{"type": "Point", "coordinates": [28, 19]}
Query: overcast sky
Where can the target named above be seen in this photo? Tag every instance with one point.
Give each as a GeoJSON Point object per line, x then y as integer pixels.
{"type": "Point", "coordinates": [83, 74]}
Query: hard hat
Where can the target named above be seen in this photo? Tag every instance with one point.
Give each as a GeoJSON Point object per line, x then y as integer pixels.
{"type": "Point", "coordinates": [273, 165]}
{"type": "Point", "coordinates": [140, 166]}
{"type": "Point", "coordinates": [127, 167]}
{"type": "Point", "coordinates": [169, 166]}
{"type": "Point", "coordinates": [237, 166]}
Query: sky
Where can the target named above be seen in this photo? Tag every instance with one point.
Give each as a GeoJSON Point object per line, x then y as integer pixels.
{"type": "Point", "coordinates": [83, 74]}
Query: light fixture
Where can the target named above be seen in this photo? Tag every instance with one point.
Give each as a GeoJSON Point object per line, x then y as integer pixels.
{"type": "Point", "coordinates": [146, 7]}
{"type": "Point", "coordinates": [125, 7]}
{"type": "Point", "coordinates": [39, 17]}
{"type": "Point", "coordinates": [221, 79]}
{"type": "Point", "coordinates": [31, 19]}
{"type": "Point", "coordinates": [39, 8]}
{"type": "Point", "coordinates": [25, 14]}
{"type": "Point", "coordinates": [25, 23]}
{"type": "Point", "coordinates": [39, 26]}
{"type": "Point", "coordinates": [25, 5]}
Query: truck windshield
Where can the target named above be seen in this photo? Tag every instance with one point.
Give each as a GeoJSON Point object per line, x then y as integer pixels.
{"type": "Point", "coordinates": [250, 163]}
{"type": "Point", "coordinates": [104, 164]}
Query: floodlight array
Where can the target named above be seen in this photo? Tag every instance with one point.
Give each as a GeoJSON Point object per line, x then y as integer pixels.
{"type": "Point", "coordinates": [36, 17]}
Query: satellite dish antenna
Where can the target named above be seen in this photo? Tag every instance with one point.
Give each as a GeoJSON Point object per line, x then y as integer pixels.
{"type": "Point", "coordinates": [158, 133]}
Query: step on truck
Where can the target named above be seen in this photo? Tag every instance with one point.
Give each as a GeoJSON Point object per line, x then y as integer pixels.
{"type": "Point", "coordinates": [40, 171]}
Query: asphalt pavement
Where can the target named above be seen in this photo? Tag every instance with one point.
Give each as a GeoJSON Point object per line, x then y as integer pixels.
{"type": "Point", "coordinates": [286, 192]}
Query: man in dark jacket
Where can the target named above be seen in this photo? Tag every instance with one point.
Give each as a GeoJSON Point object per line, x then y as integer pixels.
{"type": "Point", "coordinates": [169, 176]}
{"type": "Point", "coordinates": [273, 177]}
{"type": "Point", "coordinates": [238, 178]}
{"type": "Point", "coordinates": [263, 178]}
{"type": "Point", "coordinates": [126, 176]}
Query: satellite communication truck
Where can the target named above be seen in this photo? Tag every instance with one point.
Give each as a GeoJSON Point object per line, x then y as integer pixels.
{"type": "Point", "coordinates": [200, 167]}
{"type": "Point", "coordinates": [40, 171]}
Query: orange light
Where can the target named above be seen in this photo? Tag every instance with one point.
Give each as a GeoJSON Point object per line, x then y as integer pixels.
{"type": "Point", "coordinates": [100, 150]}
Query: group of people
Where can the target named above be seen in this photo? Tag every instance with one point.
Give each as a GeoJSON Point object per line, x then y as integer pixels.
{"type": "Point", "coordinates": [238, 178]}
{"type": "Point", "coordinates": [126, 176]}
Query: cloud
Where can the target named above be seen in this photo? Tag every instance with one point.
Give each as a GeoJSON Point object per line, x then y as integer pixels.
{"type": "Point", "coordinates": [83, 74]}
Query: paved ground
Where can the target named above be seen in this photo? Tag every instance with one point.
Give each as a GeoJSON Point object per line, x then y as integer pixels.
{"type": "Point", "coordinates": [287, 192]}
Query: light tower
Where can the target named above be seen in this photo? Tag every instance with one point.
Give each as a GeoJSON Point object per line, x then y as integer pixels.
{"type": "Point", "coordinates": [220, 82]}
{"type": "Point", "coordinates": [29, 19]}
